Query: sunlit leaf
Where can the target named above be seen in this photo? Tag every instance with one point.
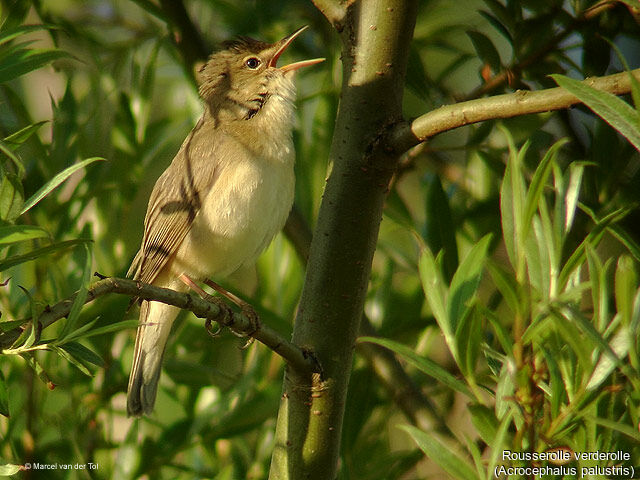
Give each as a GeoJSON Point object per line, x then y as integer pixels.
{"type": "Point", "coordinates": [9, 469]}
{"type": "Point", "coordinates": [465, 281]}
{"type": "Point", "coordinates": [54, 182]}
{"type": "Point", "coordinates": [616, 112]}
{"type": "Point", "coordinates": [22, 135]}
{"type": "Point", "coordinates": [11, 197]}
{"type": "Point", "coordinates": [39, 252]}
{"type": "Point", "coordinates": [538, 183]}
{"type": "Point", "coordinates": [424, 364]}
{"type": "Point", "coordinates": [20, 233]}
{"type": "Point", "coordinates": [448, 460]}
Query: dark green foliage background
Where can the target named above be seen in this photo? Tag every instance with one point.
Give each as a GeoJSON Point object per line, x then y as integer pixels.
{"type": "Point", "coordinates": [112, 83]}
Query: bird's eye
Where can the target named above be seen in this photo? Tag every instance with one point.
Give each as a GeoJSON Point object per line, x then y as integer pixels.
{"type": "Point", "coordinates": [252, 62]}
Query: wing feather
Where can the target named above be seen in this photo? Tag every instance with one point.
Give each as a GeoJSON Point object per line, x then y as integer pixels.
{"type": "Point", "coordinates": [175, 201]}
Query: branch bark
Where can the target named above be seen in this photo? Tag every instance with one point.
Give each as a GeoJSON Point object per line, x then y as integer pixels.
{"type": "Point", "coordinates": [376, 38]}
{"type": "Point", "coordinates": [406, 135]}
{"type": "Point", "coordinates": [240, 324]}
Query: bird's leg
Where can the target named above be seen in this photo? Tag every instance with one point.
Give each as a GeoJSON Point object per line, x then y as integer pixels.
{"type": "Point", "coordinates": [247, 309]}
{"type": "Point", "coordinates": [227, 313]}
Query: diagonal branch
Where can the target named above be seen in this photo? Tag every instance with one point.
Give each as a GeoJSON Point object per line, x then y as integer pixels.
{"type": "Point", "coordinates": [406, 135]}
{"type": "Point", "coordinates": [296, 357]}
{"type": "Point", "coordinates": [188, 40]}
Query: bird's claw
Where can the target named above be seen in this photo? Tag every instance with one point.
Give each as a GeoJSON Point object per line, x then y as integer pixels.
{"type": "Point", "coordinates": [210, 331]}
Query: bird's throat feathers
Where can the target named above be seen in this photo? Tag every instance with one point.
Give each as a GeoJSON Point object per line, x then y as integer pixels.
{"type": "Point", "coordinates": [260, 98]}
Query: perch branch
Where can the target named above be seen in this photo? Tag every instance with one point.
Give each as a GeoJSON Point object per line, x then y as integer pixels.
{"type": "Point", "coordinates": [238, 323]}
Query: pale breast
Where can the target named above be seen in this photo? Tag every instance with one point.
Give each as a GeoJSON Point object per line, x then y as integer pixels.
{"type": "Point", "coordinates": [246, 207]}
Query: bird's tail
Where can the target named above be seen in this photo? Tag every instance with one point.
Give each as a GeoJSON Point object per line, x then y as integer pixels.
{"type": "Point", "coordinates": [155, 324]}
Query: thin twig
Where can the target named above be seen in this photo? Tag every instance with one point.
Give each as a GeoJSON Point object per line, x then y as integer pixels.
{"type": "Point", "coordinates": [406, 135]}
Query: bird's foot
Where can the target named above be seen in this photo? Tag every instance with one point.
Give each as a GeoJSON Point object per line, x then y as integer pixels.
{"type": "Point", "coordinates": [225, 315]}
{"type": "Point", "coordinates": [247, 310]}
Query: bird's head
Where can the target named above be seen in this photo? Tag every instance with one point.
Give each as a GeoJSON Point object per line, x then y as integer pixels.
{"type": "Point", "coordinates": [241, 80]}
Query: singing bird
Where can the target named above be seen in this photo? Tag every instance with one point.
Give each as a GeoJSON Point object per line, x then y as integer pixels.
{"type": "Point", "coordinates": [224, 196]}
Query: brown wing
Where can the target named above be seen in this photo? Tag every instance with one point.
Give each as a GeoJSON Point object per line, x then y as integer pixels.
{"type": "Point", "coordinates": [175, 201]}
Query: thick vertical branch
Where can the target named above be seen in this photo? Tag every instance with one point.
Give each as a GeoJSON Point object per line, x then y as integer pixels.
{"type": "Point", "coordinates": [376, 37]}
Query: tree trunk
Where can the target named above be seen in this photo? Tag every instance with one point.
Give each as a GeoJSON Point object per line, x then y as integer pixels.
{"type": "Point", "coordinates": [376, 35]}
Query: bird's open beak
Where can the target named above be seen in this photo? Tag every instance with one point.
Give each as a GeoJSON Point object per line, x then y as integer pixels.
{"type": "Point", "coordinates": [282, 46]}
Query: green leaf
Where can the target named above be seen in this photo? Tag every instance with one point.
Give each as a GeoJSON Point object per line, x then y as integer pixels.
{"type": "Point", "coordinates": [25, 61]}
{"type": "Point", "coordinates": [82, 353]}
{"type": "Point", "coordinates": [571, 336]}
{"type": "Point", "coordinates": [423, 364]}
{"type": "Point", "coordinates": [476, 454]}
{"type": "Point", "coordinates": [448, 460]}
{"type": "Point", "coordinates": [39, 252]}
{"type": "Point", "coordinates": [505, 388]}
{"type": "Point", "coordinates": [592, 239]}
{"type": "Point", "coordinates": [440, 232]}
{"type": "Point", "coordinates": [69, 357]}
{"type": "Point", "coordinates": [635, 85]}
{"type": "Point", "coordinates": [8, 151]}
{"type": "Point", "coordinates": [617, 113]}
{"type": "Point", "coordinates": [485, 422]}
{"type": "Point", "coordinates": [42, 374]}
{"type": "Point", "coordinates": [576, 171]}
{"type": "Point", "coordinates": [485, 49]}
{"type": "Point", "coordinates": [35, 324]}
{"type": "Point", "coordinates": [81, 296]}
{"type": "Point", "coordinates": [626, 283]}
{"type": "Point", "coordinates": [7, 325]}
{"type": "Point", "coordinates": [506, 284]}
{"type": "Point", "coordinates": [11, 33]}
{"type": "Point", "coordinates": [498, 442]}
{"type": "Point", "coordinates": [466, 280]}
{"type": "Point", "coordinates": [22, 135]}
{"type": "Point", "coordinates": [502, 13]}
{"type": "Point", "coordinates": [588, 329]}
{"type": "Point", "coordinates": [617, 426]}
{"type": "Point", "coordinates": [619, 344]}
{"type": "Point", "coordinates": [502, 29]}
{"type": "Point", "coordinates": [435, 292]}
{"type": "Point", "coordinates": [55, 181]}
{"type": "Point", "coordinates": [557, 390]}
{"type": "Point", "coordinates": [538, 182]}
{"type": "Point", "coordinates": [4, 397]}
{"type": "Point", "coordinates": [505, 339]}
{"type": "Point", "coordinates": [624, 237]}
{"type": "Point", "coordinates": [599, 289]}
{"type": "Point", "coordinates": [11, 197]}
{"type": "Point", "coordinates": [512, 198]}
{"type": "Point", "coordinates": [20, 233]}
{"type": "Point", "coordinates": [9, 469]}
{"type": "Point", "coordinates": [537, 253]}
{"type": "Point", "coordinates": [114, 327]}
{"type": "Point", "coordinates": [469, 340]}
